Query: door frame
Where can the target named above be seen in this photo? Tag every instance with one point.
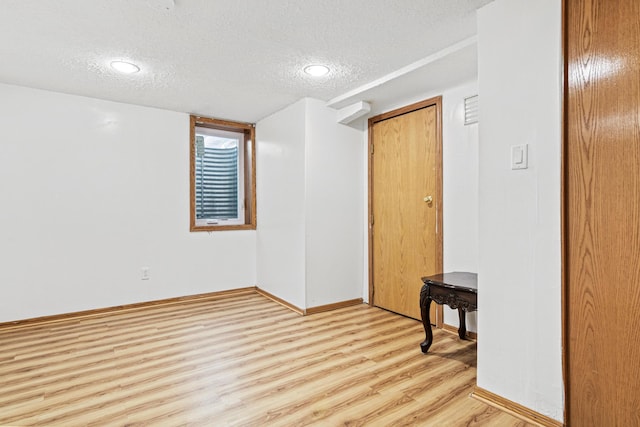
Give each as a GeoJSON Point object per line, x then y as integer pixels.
{"type": "Point", "coordinates": [437, 102]}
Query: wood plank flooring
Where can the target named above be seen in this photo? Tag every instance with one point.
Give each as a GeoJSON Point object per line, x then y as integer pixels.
{"type": "Point", "coordinates": [238, 360]}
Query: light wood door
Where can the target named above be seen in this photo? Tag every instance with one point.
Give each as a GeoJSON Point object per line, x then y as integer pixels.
{"type": "Point", "coordinates": [406, 239]}
{"type": "Point", "coordinates": [602, 212]}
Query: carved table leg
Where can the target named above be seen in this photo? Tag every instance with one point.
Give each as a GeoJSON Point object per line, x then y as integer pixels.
{"type": "Point", "coordinates": [462, 330]}
{"type": "Point", "coordinates": [425, 304]}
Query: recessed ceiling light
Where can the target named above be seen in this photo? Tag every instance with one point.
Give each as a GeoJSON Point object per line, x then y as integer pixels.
{"type": "Point", "coordinates": [316, 70]}
{"type": "Point", "coordinates": [125, 67]}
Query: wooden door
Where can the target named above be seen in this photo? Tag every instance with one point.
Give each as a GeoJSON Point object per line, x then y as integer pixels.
{"type": "Point", "coordinates": [406, 228]}
{"type": "Point", "coordinates": [602, 212]}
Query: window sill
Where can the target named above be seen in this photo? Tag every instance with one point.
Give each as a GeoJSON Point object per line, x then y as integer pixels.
{"type": "Point", "coordinates": [222, 227]}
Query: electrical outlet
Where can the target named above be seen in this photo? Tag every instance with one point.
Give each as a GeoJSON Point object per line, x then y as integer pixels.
{"type": "Point", "coordinates": [144, 273]}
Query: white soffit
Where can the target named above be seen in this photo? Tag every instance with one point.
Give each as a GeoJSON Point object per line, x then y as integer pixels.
{"type": "Point", "coordinates": [449, 67]}
{"type": "Point", "coordinates": [353, 112]}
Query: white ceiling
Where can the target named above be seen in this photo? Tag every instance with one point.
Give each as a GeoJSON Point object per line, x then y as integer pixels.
{"type": "Point", "coordinates": [239, 60]}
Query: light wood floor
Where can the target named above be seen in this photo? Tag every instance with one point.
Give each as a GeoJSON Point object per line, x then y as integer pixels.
{"type": "Point", "coordinates": [238, 360]}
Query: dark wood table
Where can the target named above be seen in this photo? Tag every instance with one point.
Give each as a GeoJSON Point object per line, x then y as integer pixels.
{"type": "Point", "coordinates": [457, 290]}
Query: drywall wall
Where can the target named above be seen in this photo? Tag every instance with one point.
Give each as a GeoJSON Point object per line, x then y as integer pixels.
{"type": "Point", "coordinates": [519, 74]}
{"type": "Point", "coordinates": [460, 188]}
{"type": "Point", "coordinates": [309, 237]}
{"type": "Point", "coordinates": [334, 212]}
{"type": "Point", "coordinates": [91, 192]}
{"type": "Point", "coordinates": [460, 191]}
{"type": "Point", "coordinates": [280, 180]}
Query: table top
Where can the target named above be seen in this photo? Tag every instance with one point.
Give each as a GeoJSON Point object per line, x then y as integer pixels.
{"type": "Point", "coordinates": [457, 280]}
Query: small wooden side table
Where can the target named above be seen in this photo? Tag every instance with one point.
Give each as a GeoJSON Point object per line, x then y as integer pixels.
{"type": "Point", "coordinates": [457, 290]}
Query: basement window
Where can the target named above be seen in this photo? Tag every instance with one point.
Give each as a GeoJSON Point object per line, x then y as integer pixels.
{"type": "Point", "coordinates": [222, 175]}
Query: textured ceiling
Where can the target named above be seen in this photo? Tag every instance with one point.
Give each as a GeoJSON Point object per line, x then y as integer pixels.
{"type": "Point", "coordinates": [239, 60]}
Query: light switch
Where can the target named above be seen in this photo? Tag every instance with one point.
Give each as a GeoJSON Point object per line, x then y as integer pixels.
{"type": "Point", "coordinates": [519, 156]}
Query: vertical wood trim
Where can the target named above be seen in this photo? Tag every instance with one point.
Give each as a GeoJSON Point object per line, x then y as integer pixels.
{"type": "Point", "coordinates": [437, 102]}
{"type": "Point", "coordinates": [370, 209]}
{"type": "Point", "coordinates": [439, 235]}
{"type": "Point", "coordinates": [192, 174]}
{"type": "Point", "coordinates": [250, 187]}
{"type": "Point", "coordinates": [563, 214]}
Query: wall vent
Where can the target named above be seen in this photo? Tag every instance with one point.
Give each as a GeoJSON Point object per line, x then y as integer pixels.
{"type": "Point", "coordinates": [471, 110]}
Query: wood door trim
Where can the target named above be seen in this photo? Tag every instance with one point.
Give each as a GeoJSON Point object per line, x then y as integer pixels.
{"type": "Point", "coordinates": [564, 201]}
{"type": "Point", "coordinates": [437, 102]}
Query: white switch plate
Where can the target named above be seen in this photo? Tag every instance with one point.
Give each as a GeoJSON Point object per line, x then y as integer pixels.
{"type": "Point", "coordinates": [519, 156]}
{"type": "Point", "coordinates": [144, 273]}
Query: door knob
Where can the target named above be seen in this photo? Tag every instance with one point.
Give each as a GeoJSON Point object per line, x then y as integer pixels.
{"type": "Point", "coordinates": [428, 199]}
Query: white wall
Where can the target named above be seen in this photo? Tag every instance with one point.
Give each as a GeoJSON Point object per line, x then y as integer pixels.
{"type": "Point", "coordinates": [460, 191]}
{"type": "Point", "coordinates": [460, 188]}
{"type": "Point", "coordinates": [280, 180]}
{"type": "Point", "coordinates": [520, 71]}
{"type": "Point", "coordinates": [309, 244]}
{"type": "Point", "coordinates": [334, 212]}
{"type": "Point", "coordinates": [91, 191]}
